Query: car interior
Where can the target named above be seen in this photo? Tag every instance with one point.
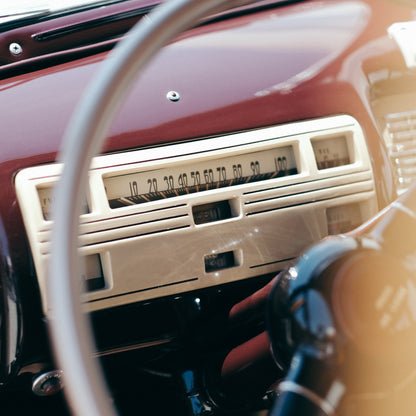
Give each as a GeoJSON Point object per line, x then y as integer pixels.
{"type": "Point", "coordinates": [207, 207]}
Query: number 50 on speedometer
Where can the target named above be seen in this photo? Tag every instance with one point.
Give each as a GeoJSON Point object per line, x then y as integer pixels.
{"type": "Point", "coordinates": [168, 182]}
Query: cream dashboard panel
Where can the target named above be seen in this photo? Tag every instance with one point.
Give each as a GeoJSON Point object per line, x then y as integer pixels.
{"type": "Point", "coordinates": [164, 220]}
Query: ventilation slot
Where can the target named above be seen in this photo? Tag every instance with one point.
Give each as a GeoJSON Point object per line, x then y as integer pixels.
{"type": "Point", "coordinates": [401, 143]}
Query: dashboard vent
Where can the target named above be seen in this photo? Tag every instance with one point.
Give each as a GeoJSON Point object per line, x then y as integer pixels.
{"type": "Point", "coordinates": [401, 143]}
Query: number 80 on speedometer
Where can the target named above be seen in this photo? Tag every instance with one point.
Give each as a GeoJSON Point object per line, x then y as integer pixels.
{"type": "Point", "coordinates": [167, 182]}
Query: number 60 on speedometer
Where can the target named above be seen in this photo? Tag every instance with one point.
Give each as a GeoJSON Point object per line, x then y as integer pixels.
{"type": "Point", "coordinates": [151, 185]}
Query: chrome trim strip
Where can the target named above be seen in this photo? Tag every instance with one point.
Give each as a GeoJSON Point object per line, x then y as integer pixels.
{"type": "Point", "coordinates": [133, 347]}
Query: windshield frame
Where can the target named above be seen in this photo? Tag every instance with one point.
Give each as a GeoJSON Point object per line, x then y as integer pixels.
{"type": "Point", "coordinates": [26, 17]}
{"type": "Point", "coordinates": [22, 18]}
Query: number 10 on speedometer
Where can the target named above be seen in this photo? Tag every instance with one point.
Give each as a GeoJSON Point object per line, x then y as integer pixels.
{"type": "Point", "coordinates": [168, 182]}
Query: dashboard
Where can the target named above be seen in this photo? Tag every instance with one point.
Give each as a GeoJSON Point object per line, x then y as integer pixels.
{"type": "Point", "coordinates": [247, 139]}
{"type": "Point", "coordinates": [208, 211]}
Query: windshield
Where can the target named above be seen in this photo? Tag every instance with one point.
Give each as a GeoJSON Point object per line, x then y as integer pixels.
{"type": "Point", "coordinates": [22, 9]}
{"type": "Point", "coordinates": [15, 13]}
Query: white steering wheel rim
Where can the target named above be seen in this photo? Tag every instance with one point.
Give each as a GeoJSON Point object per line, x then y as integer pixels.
{"type": "Point", "coordinates": [70, 331]}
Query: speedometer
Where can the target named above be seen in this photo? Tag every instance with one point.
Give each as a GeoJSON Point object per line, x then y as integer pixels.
{"type": "Point", "coordinates": [151, 185]}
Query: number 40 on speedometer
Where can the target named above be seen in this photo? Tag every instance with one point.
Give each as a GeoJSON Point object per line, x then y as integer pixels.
{"type": "Point", "coordinates": [140, 187]}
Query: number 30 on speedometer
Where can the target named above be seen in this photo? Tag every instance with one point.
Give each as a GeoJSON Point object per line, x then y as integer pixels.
{"type": "Point", "coordinates": [140, 187]}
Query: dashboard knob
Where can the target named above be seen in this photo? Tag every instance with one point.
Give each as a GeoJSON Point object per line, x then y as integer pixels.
{"type": "Point", "coordinates": [48, 383]}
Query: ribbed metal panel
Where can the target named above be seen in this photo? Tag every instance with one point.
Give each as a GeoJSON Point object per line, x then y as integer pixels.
{"type": "Point", "coordinates": [401, 129]}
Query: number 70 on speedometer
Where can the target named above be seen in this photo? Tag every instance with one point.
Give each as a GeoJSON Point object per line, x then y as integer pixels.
{"type": "Point", "coordinates": [146, 186]}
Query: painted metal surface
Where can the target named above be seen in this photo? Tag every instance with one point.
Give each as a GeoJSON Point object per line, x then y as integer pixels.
{"type": "Point", "coordinates": [48, 35]}
{"type": "Point", "coordinates": [258, 70]}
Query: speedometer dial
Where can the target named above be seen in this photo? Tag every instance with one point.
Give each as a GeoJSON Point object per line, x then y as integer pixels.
{"type": "Point", "coordinates": [152, 185]}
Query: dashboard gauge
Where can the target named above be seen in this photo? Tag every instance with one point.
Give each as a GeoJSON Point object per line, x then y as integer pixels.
{"type": "Point", "coordinates": [152, 185]}
{"type": "Point", "coordinates": [45, 198]}
{"type": "Point", "coordinates": [45, 195]}
{"type": "Point", "coordinates": [331, 152]}
{"type": "Point", "coordinates": [343, 218]}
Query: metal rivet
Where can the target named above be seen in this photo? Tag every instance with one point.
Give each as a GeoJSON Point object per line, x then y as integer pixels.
{"type": "Point", "coordinates": [173, 96]}
{"type": "Point", "coordinates": [15, 49]}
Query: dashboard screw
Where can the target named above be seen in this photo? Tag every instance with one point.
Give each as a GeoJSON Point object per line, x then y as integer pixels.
{"type": "Point", "coordinates": [15, 49]}
{"type": "Point", "coordinates": [173, 96]}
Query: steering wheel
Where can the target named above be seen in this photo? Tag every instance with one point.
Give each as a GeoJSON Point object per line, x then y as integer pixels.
{"type": "Point", "coordinates": [69, 330]}
{"type": "Point", "coordinates": [344, 316]}
{"type": "Point", "coordinates": [317, 323]}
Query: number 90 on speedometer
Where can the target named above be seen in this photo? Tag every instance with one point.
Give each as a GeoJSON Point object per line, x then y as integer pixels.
{"type": "Point", "coordinates": [168, 182]}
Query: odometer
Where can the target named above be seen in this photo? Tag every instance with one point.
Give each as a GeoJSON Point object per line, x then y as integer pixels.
{"type": "Point", "coordinates": [152, 185]}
